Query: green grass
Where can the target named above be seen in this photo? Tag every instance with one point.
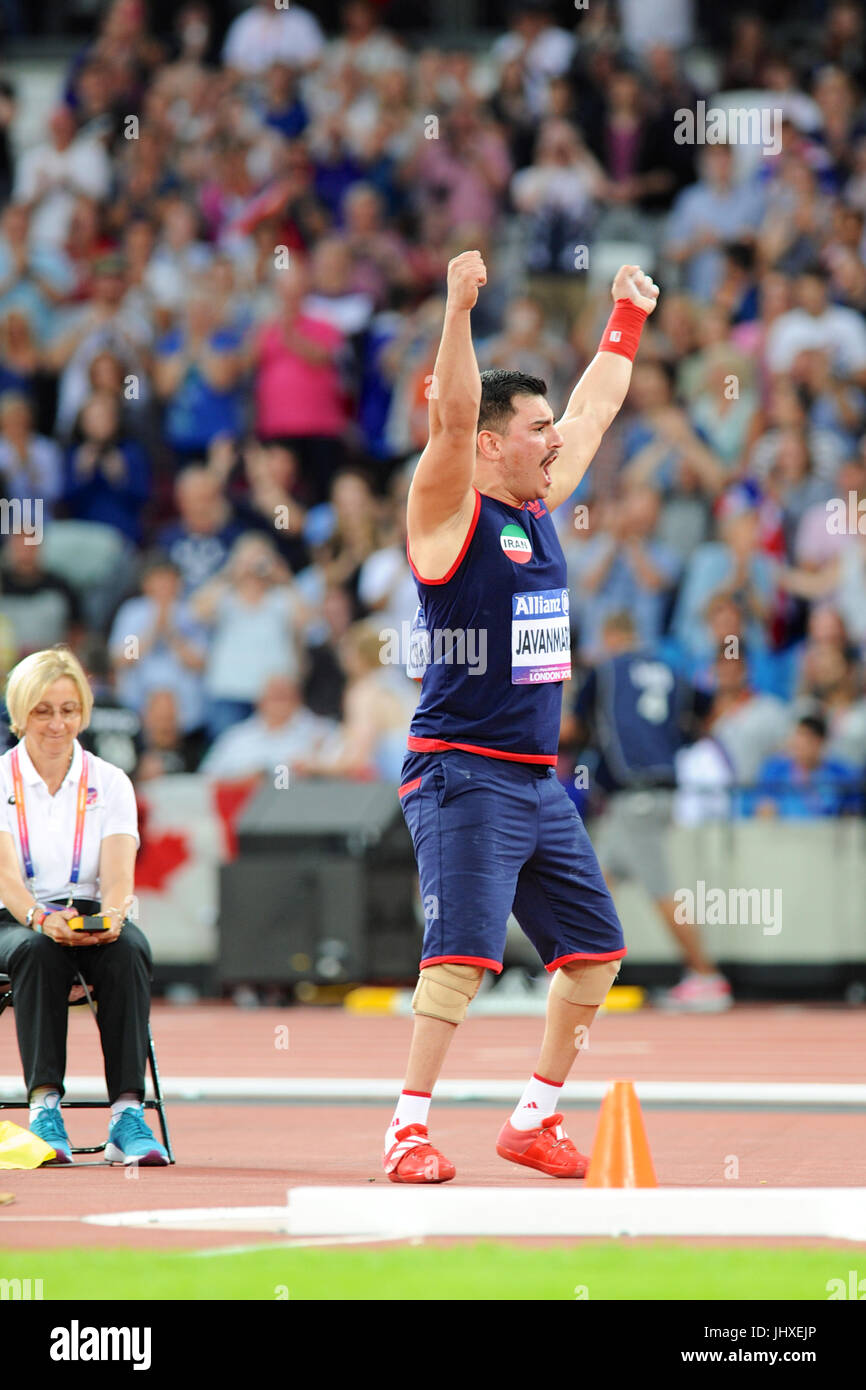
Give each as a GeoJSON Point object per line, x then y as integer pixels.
{"type": "Point", "coordinates": [478, 1270]}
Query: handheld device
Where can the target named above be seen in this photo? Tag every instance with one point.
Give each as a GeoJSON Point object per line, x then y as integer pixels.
{"type": "Point", "coordinates": [89, 924]}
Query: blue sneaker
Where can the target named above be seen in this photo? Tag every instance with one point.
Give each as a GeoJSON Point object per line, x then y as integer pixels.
{"type": "Point", "coordinates": [49, 1127]}
{"type": "Point", "coordinates": [130, 1140]}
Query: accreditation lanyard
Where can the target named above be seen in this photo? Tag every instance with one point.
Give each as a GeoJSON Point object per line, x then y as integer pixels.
{"type": "Point", "coordinates": [24, 837]}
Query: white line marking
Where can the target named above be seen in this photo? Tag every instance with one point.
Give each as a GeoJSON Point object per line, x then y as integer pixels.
{"type": "Point", "coordinates": [708, 1094]}
{"type": "Point", "coordinates": [198, 1218]}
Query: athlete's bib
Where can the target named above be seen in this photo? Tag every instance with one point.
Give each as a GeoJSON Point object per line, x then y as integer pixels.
{"type": "Point", "coordinates": [540, 637]}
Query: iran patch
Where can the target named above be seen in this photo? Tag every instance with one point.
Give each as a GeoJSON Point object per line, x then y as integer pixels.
{"type": "Point", "coordinates": [516, 544]}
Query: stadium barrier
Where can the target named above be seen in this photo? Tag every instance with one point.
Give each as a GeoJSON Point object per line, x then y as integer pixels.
{"type": "Point", "coordinates": [226, 866]}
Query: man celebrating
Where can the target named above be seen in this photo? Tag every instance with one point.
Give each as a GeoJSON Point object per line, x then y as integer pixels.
{"type": "Point", "coordinates": [492, 828]}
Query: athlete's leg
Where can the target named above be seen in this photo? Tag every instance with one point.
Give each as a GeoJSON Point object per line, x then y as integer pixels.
{"type": "Point", "coordinates": [687, 937]}
{"type": "Point", "coordinates": [431, 1039]}
{"type": "Point", "coordinates": [564, 906]}
{"type": "Point", "coordinates": [469, 828]}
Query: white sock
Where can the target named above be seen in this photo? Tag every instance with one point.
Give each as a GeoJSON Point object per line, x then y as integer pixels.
{"type": "Point", "coordinates": [127, 1101]}
{"type": "Point", "coordinates": [539, 1100]}
{"type": "Point", "coordinates": [43, 1098]}
{"type": "Point", "coordinates": [413, 1108]}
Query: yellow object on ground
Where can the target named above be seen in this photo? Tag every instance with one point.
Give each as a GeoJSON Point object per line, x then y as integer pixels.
{"type": "Point", "coordinates": [624, 998]}
{"type": "Point", "coordinates": [21, 1149]}
{"type": "Point", "coordinates": [374, 999]}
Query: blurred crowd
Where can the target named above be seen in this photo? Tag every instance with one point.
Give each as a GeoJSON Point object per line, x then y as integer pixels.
{"type": "Point", "coordinates": [222, 268]}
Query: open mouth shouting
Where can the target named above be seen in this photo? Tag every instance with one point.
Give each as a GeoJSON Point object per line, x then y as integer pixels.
{"type": "Point", "coordinates": [546, 466]}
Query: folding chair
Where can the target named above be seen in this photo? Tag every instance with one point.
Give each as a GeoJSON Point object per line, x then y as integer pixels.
{"type": "Point", "coordinates": [157, 1104]}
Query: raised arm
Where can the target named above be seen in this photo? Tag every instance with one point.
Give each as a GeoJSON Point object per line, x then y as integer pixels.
{"type": "Point", "coordinates": [596, 399]}
{"type": "Point", "coordinates": [441, 500]}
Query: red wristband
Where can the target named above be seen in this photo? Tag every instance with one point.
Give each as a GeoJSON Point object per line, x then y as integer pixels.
{"type": "Point", "coordinates": [623, 330]}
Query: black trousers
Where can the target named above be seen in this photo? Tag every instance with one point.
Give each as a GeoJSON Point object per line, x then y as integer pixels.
{"type": "Point", "coordinates": [42, 973]}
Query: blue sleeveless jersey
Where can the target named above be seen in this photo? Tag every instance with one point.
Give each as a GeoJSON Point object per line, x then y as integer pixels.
{"type": "Point", "coordinates": [634, 705]}
{"type": "Point", "coordinates": [497, 640]}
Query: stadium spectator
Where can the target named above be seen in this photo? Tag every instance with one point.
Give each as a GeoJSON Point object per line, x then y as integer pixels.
{"type": "Point", "coordinates": [51, 176]}
{"type": "Point", "coordinates": [281, 733]}
{"type": "Point", "coordinates": [165, 749]}
{"type": "Point", "coordinates": [324, 677]}
{"type": "Point", "coordinates": [106, 476]}
{"type": "Point", "coordinates": [200, 540]}
{"type": "Point", "coordinates": [804, 782]}
{"type": "Point", "coordinates": [459, 180]}
{"type": "Point", "coordinates": [333, 298]}
{"type": "Point", "coordinates": [524, 346]}
{"type": "Point", "coordinates": [363, 44]}
{"type": "Point", "coordinates": [543, 48]}
{"type": "Point", "coordinates": [35, 276]}
{"type": "Point", "coordinates": [747, 726]}
{"type": "Point", "coordinates": [30, 464]}
{"type": "Point", "coordinates": [734, 564]}
{"type": "Point", "coordinates": [299, 395]}
{"type": "Point", "coordinates": [262, 35]}
{"type": "Point", "coordinates": [371, 741]}
{"type": "Point", "coordinates": [343, 534]}
{"type": "Point", "coordinates": [42, 608]}
{"type": "Point", "coordinates": [265, 499]}
{"type": "Point", "coordinates": [557, 196]}
{"type": "Point", "coordinates": [179, 255]}
{"type": "Point", "coordinates": [103, 324]}
{"type": "Point", "coordinates": [197, 375]}
{"type": "Point", "coordinates": [816, 323]}
{"type": "Point", "coordinates": [831, 682]}
{"type": "Point", "coordinates": [622, 567]}
{"type": "Point", "coordinates": [718, 208]}
{"type": "Point", "coordinates": [256, 615]}
{"type": "Point", "coordinates": [157, 644]}
{"type": "Point", "coordinates": [660, 444]}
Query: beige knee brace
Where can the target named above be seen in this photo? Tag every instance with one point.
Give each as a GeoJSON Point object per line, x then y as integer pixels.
{"type": "Point", "coordinates": [445, 991]}
{"type": "Point", "coordinates": [585, 981]}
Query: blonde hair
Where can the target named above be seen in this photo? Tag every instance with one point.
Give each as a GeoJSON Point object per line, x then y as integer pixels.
{"type": "Point", "coordinates": [28, 681]}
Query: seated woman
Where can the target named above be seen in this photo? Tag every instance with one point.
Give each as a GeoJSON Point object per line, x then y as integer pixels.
{"type": "Point", "coordinates": [67, 848]}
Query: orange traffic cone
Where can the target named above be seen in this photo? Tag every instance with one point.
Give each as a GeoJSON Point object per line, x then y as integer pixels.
{"type": "Point", "coordinates": [620, 1154]}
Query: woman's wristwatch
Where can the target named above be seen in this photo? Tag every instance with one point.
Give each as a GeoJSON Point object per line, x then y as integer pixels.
{"type": "Point", "coordinates": [35, 917]}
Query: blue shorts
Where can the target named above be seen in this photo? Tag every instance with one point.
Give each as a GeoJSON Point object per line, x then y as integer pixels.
{"type": "Point", "coordinates": [492, 837]}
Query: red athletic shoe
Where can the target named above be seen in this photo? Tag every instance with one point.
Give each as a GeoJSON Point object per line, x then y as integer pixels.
{"type": "Point", "coordinates": [412, 1158]}
{"type": "Point", "coordinates": [548, 1149]}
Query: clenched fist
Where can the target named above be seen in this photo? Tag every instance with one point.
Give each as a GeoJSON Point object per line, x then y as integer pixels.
{"type": "Point", "coordinates": [466, 273]}
{"type": "Point", "coordinates": [631, 283]}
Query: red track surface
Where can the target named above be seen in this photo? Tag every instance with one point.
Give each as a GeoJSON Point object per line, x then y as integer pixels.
{"type": "Point", "coordinates": [239, 1155]}
{"type": "Point", "coordinates": [750, 1043]}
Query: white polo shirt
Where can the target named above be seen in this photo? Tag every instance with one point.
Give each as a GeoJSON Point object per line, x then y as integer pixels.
{"type": "Point", "coordinates": [111, 810]}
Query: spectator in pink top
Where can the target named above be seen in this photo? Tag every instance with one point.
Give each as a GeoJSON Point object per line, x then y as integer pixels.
{"type": "Point", "coordinates": [300, 397]}
{"type": "Point", "coordinates": [461, 178]}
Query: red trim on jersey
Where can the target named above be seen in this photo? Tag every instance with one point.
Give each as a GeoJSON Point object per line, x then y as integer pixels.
{"type": "Point", "coordinates": [494, 965]}
{"type": "Point", "coordinates": [463, 549]}
{"type": "Point", "coordinates": [409, 786]}
{"type": "Point", "coordinates": [439, 745]}
{"type": "Point", "coordinates": [544, 1080]}
{"type": "Point", "coordinates": [585, 955]}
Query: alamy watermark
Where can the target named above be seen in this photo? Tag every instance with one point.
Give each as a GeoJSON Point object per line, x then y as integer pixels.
{"type": "Point", "coordinates": [416, 648]}
{"type": "Point", "coordinates": [729, 907]}
{"type": "Point", "coordinates": [22, 517]}
{"type": "Point", "coordinates": [737, 125]}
